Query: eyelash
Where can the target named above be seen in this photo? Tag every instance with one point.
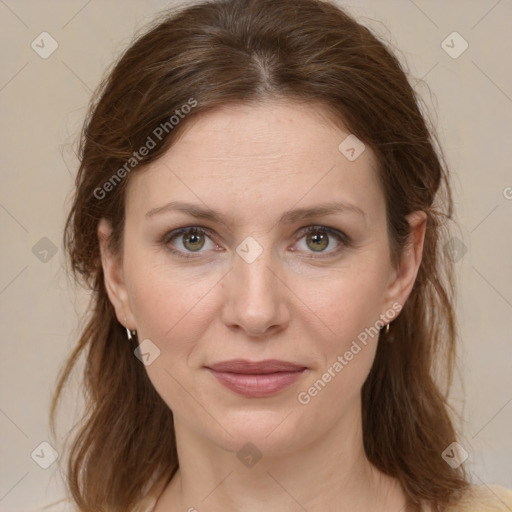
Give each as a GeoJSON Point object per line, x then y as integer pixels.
{"type": "Point", "coordinates": [342, 238]}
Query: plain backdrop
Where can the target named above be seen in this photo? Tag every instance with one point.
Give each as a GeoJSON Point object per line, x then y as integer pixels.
{"type": "Point", "coordinates": [43, 102]}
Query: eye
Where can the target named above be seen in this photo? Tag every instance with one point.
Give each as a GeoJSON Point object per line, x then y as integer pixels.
{"type": "Point", "coordinates": [317, 239]}
{"type": "Point", "coordinates": [188, 240]}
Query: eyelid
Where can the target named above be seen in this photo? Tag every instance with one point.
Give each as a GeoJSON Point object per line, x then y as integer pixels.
{"type": "Point", "coordinates": [171, 235]}
{"type": "Point", "coordinates": [342, 238]}
{"type": "Point", "coordinates": [182, 231]}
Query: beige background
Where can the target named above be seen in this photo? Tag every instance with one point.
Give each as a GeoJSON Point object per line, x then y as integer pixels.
{"type": "Point", "coordinates": [43, 103]}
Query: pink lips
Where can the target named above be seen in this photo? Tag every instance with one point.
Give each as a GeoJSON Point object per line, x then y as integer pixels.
{"type": "Point", "coordinates": [256, 378]}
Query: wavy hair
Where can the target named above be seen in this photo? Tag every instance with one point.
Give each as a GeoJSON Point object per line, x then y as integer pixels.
{"type": "Point", "coordinates": [227, 51]}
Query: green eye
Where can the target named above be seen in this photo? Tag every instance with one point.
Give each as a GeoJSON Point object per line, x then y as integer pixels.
{"type": "Point", "coordinates": [319, 238]}
{"type": "Point", "coordinates": [188, 240]}
{"type": "Point", "coordinates": [193, 241]}
{"type": "Point", "coordinates": [317, 241]}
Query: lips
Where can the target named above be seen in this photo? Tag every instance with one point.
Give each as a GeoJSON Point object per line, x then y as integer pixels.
{"type": "Point", "coordinates": [256, 378]}
{"type": "Point", "coordinates": [255, 367]}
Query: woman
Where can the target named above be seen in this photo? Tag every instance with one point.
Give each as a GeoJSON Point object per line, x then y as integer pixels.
{"type": "Point", "coordinates": [259, 213]}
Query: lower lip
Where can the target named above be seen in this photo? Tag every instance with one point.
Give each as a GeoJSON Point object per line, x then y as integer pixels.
{"type": "Point", "coordinates": [258, 385]}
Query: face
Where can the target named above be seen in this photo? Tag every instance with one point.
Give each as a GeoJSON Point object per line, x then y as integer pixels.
{"type": "Point", "coordinates": [254, 237]}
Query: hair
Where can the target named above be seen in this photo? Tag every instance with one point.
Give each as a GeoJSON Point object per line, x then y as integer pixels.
{"type": "Point", "coordinates": [247, 51]}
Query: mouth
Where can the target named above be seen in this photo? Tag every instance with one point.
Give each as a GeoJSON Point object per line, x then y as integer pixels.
{"type": "Point", "coordinates": [256, 378]}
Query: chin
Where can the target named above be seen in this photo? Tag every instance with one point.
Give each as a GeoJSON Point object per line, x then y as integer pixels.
{"type": "Point", "coordinates": [270, 431]}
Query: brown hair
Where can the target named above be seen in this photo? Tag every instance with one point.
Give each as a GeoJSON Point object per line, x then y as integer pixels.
{"type": "Point", "coordinates": [241, 51]}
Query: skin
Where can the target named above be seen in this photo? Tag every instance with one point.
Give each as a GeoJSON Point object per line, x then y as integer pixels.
{"type": "Point", "coordinates": [253, 163]}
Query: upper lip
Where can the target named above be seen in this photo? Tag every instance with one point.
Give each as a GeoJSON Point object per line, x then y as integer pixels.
{"type": "Point", "coordinates": [255, 367]}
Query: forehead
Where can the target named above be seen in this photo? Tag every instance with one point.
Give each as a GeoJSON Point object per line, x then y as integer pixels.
{"type": "Point", "coordinates": [266, 155]}
{"type": "Point", "coordinates": [285, 131]}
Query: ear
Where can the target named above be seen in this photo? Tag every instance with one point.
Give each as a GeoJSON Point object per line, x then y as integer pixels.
{"type": "Point", "coordinates": [113, 274]}
{"type": "Point", "coordinates": [403, 278]}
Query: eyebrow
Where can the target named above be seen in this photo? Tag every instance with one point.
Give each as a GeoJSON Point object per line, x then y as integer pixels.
{"type": "Point", "coordinates": [288, 217]}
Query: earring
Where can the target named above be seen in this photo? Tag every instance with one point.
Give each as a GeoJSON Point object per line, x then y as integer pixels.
{"type": "Point", "coordinates": [389, 338]}
{"type": "Point", "coordinates": [130, 334]}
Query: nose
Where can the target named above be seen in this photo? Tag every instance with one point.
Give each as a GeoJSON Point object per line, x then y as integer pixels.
{"type": "Point", "coordinates": [255, 297]}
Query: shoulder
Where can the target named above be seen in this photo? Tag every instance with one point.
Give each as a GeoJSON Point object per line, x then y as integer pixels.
{"type": "Point", "coordinates": [484, 498]}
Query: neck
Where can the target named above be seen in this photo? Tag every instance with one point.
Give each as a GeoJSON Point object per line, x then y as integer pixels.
{"type": "Point", "coordinates": [332, 473]}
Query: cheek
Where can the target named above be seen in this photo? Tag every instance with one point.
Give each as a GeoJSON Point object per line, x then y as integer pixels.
{"type": "Point", "coordinates": [349, 304]}
{"type": "Point", "coordinates": [172, 308]}
{"type": "Point", "coordinates": [347, 301]}
{"type": "Point", "coordinates": [165, 297]}
{"type": "Point", "coordinates": [175, 307]}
